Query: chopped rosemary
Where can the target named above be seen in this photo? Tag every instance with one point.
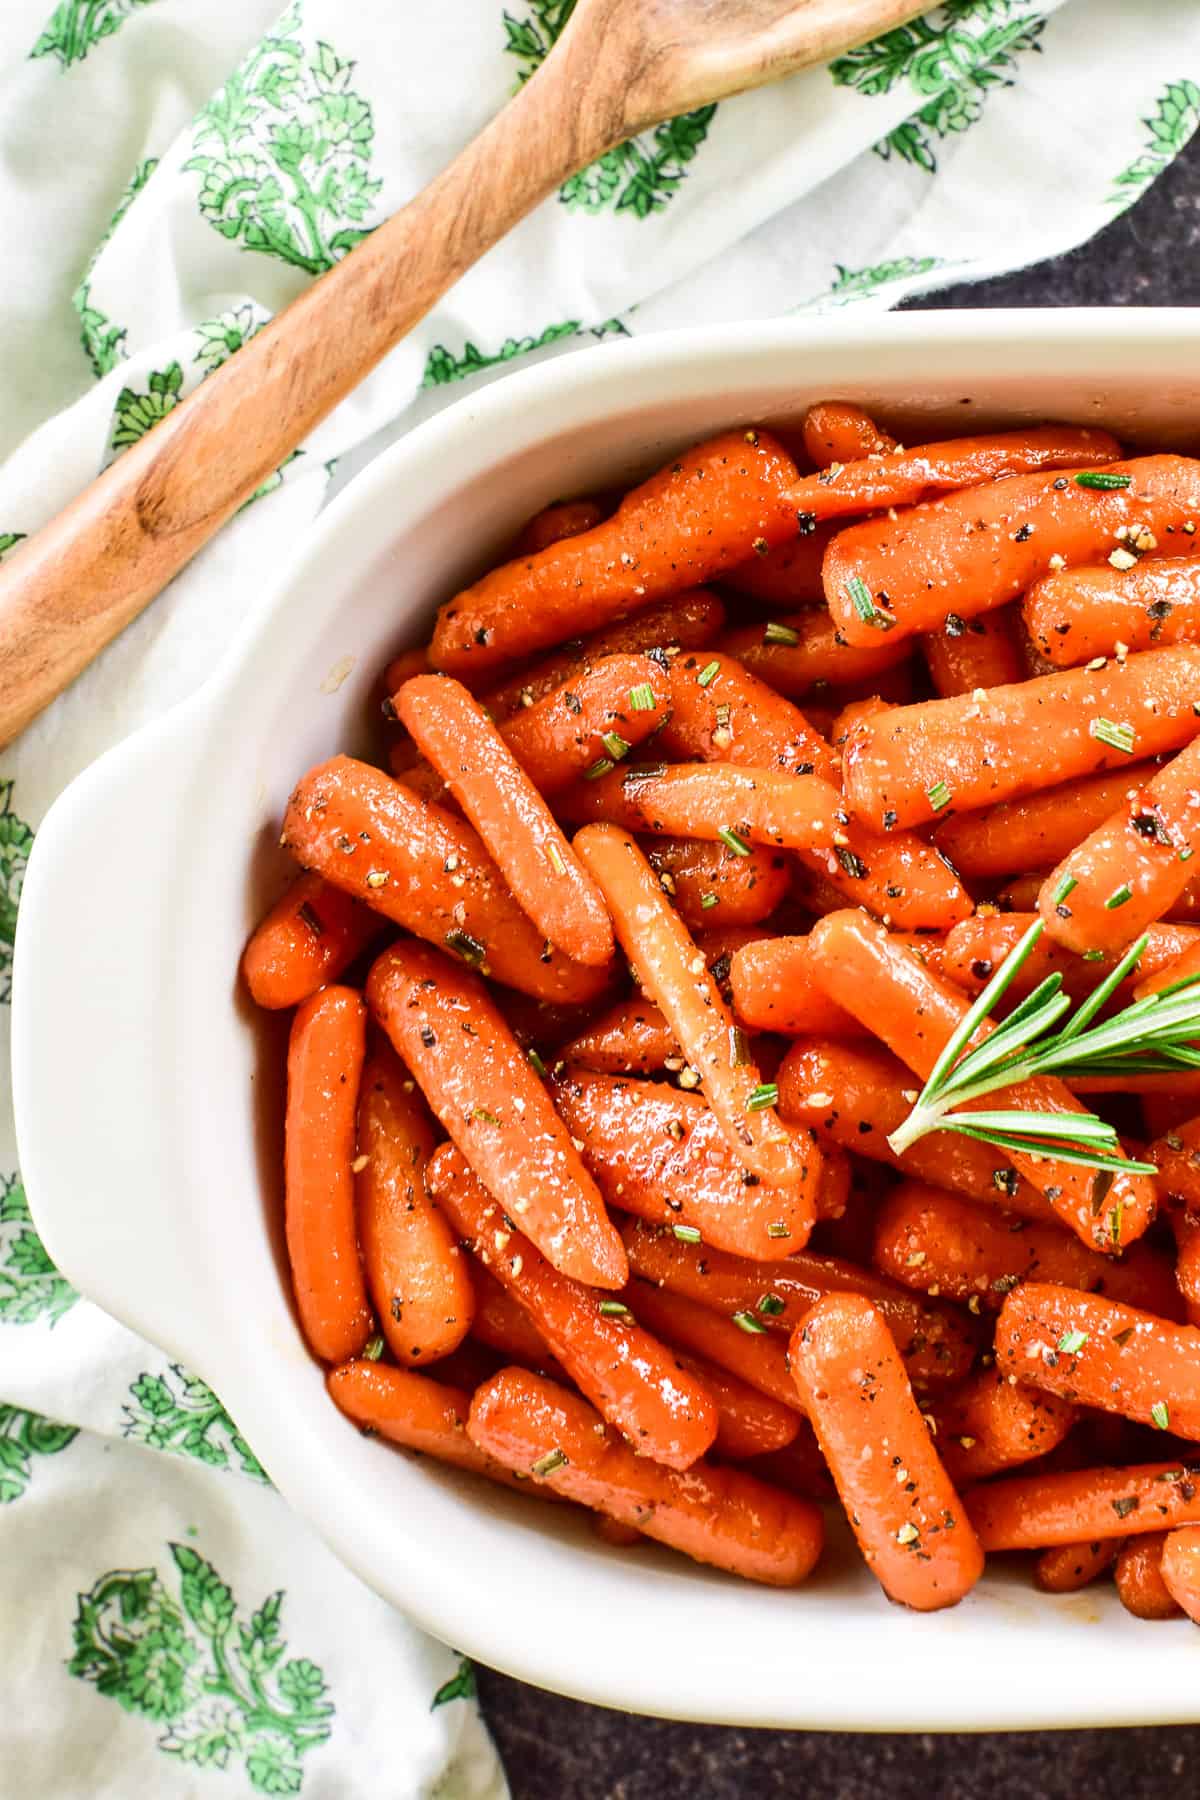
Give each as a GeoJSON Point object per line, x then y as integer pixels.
{"type": "Point", "coordinates": [1118, 897]}
{"type": "Point", "coordinates": [373, 1350]}
{"type": "Point", "coordinates": [1072, 1342]}
{"type": "Point", "coordinates": [859, 595]}
{"type": "Point", "coordinates": [733, 842]}
{"type": "Point", "coordinates": [466, 946]}
{"type": "Point", "coordinates": [641, 697]}
{"type": "Point", "coordinates": [615, 744]}
{"type": "Point", "coordinates": [771, 1304]}
{"type": "Point", "coordinates": [764, 1095]}
{"type": "Point", "coordinates": [484, 1116]}
{"type": "Point", "coordinates": [546, 1465]}
{"type": "Point", "coordinates": [938, 796]}
{"type": "Point", "coordinates": [1066, 886]}
{"type": "Point", "coordinates": [746, 1321]}
{"type": "Point", "coordinates": [777, 1229]}
{"type": "Point", "coordinates": [739, 1047]}
{"type": "Point", "coordinates": [555, 855]}
{"type": "Point", "coordinates": [614, 1309]}
{"type": "Point", "coordinates": [708, 674]}
{"type": "Point", "coordinates": [1160, 1415]}
{"type": "Point", "coordinates": [1117, 737]}
{"type": "Point", "coordinates": [305, 911]}
{"type": "Point", "coordinates": [601, 766]}
{"type": "Point", "coordinates": [536, 1064]}
{"type": "Point", "coordinates": [687, 1234]}
{"type": "Point", "coordinates": [1101, 478]}
{"type": "Point", "coordinates": [707, 900]}
{"type": "Point", "coordinates": [775, 633]}
{"type": "Point", "coordinates": [1151, 1036]}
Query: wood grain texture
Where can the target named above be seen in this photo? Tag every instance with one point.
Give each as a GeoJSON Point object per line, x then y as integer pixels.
{"type": "Point", "coordinates": [620, 66]}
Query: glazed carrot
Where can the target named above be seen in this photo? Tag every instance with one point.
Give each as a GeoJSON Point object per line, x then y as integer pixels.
{"type": "Point", "coordinates": [1186, 965]}
{"type": "Point", "coordinates": [325, 1058]}
{"type": "Point", "coordinates": [502, 1323]}
{"type": "Point", "coordinates": [989, 1423]}
{"type": "Point", "coordinates": [1115, 1357]}
{"type": "Point", "coordinates": [688, 619]}
{"type": "Point", "coordinates": [565, 519]}
{"type": "Point", "coordinates": [709, 881]}
{"type": "Point", "coordinates": [977, 653]}
{"type": "Point", "coordinates": [1082, 613]}
{"type": "Point", "coordinates": [800, 1468]}
{"type": "Point", "coordinates": [758, 1360]}
{"type": "Point", "coordinates": [837, 431]}
{"type": "Point", "coordinates": [854, 1095]}
{"type": "Point", "coordinates": [636, 1383]}
{"type": "Point", "coordinates": [974, 751]}
{"type": "Point", "coordinates": [934, 1341]}
{"type": "Point", "coordinates": [660, 1153]}
{"type": "Point", "coordinates": [749, 1423]}
{"type": "Point", "coordinates": [1037, 830]}
{"type": "Point", "coordinates": [706, 800]}
{"type": "Point", "coordinates": [1032, 1512]}
{"type": "Point", "coordinates": [929, 1240]}
{"type": "Point", "coordinates": [1180, 1570]}
{"type": "Point", "coordinates": [1138, 1576]}
{"type": "Point", "coordinates": [847, 718]}
{"type": "Point", "coordinates": [900, 477]}
{"type": "Point", "coordinates": [975, 949]}
{"type": "Point", "coordinates": [401, 669]}
{"type": "Point", "coordinates": [632, 1038]}
{"type": "Point", "coordinates": [1068, 1567]}
{"type": "Point", "coordinates": [915, 1011]}
{"type": "Point", "coordinates": [970, 551]}
{"type": "Point", "coordinates": [426, 870]}
{"type": "Point", "coordinates": [773, 990]}
{"type": "Point", "coordinates": [1132, 869]}
{"type": "Point", "coordinates": [1176, 1156]}
{"type": "Point", "coordinates": [909, 1521]}
{"type": "Point", "coordinates": [787, 574]}
{"type": "Point", "coordinates": [672, 972]}
{"type": "Point", "coordinates": [697, 517]}
{"type": "Point", "coordinates": [814, 653]}
{"type": "Point", "coordinates": [416, 1412]}
{"type": "Point", "coordinates": [714, 1515]}
{"type": "Point", "coordinates": [540, 1025]}
{"type": "Point", "coordinates": [608, 707]}
{"type": "Point", "coordinates": [449, 1032]}
{"type": "Point", "coordinates": [513, 820]}
{"type": "Point", "coordinates": [417, 1277]}
{"type": "Point", "coordinates": [310, 935]}
{"type": "Point", "coordinates": [720, 712]}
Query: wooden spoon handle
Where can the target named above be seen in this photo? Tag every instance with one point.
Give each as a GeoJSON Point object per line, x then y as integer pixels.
{"type": "Point", "coordinates": [90, 571]}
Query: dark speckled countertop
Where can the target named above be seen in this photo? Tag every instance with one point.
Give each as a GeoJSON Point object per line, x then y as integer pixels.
{"type": "Point", "coordinates": [556, 1749]}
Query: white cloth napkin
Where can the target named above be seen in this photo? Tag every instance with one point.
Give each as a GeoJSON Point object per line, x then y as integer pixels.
{"type": "Point", "coordinates": [172, 172]}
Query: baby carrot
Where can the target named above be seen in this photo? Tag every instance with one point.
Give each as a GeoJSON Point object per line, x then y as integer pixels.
{"type": "Point", "coordinates": [837, 431]}
{"type": "Point", "coordinates": [1183, 968]}
{"type": "Point", "coordinates": [1177, 1159]}
{"type": "Point", "coordinates": [1035, 831]}
{"type": "Point", "coordinates": [637, 1384]}
{"type": "Point", "coordinates": [1138, 1576]}
{"type": "Point", "coordinates": [988, 1423]}
{"type": "Point", "coordinates": [929, 1240]}
{"type": "Point", "coordinates": [513, 820]}
{"type": "Point", "coordinates": [1131, 869]}
{"type": "Point", "coordinates": [632, 1038]}
{"type": "Point", "coordinates": [800, 1468]}
{"type": "Point", "coordinates": [1180, 1570]}
{"type": "Point", "coordinates": [1116, 1357]}
{"type": "Point", "coordinates": [901, 477]}
{"type": "Point", "coordinates": [426, 870]}
{"type": "Point", "coordinates": [758, 1359]}
{"type": "Point", "coordinates": [448, 1030]}
{"type": "Point", "coordinates": [688, 619]}
{"type": "Point", "coordinates": [774, 990]}
{"type": "Point", "coordinates": [749, 1423]}
{"type": "Point", "coordinates": [416, 1412]}
{"type": "Point", "coordinates": [670, 969]}
{"type": "Point", "coordinates": [597, 715]}
{"type": "Point", "coordinates": [915, 1011]}
{"type": "Point", "coordinates": [740, 807]}
{"type": "Point", "coordinates": [909, 1522]}
{"type": "Point", "coordinates": [502, 1323]}
{"type": "Point", "coordinates": [708, 881]}
{"type": "Point", "coordinates": [907, 766]}
{"type": "Point", "coordinates": [855, 1095]}
{"type": "Point", "coordinates": [661, 1153]}
{"type": "Point", "coordinates": [720, 712]}
{"type": "Point", "coordinates": [565, 519]}
{"type": "Point", "coordinates": [719, 1516]}
{"type": "Point", "coordinates": [1081, 613]}
{"type": "Point", "coordinates": [417, 1277]}
{"type": "Point", "coordinates": [806, 651]}
{"type": "Point", "coordinates": [934, 1341]}
{"type": "Point", "coordinates": [310, 935]}
{"type": "Point", "coordinates": [1032, 1512]}
{"type": "Point", "coordinates": [976, 653]}
{"type": "Point", "coordinates": [325, 1059]}
{"type": "Point", "coordinates": [1066, 1568]}
{"type": "Point", "coordinates": [787, 574]}
{"type": "Point", "coordinates": [704, 513]}
{"type": "Point", "coordinates": [970, 551]}
{"type": "Point", "coordinates": [401, 669]}
{"type": "Point", "coordinates": [974, 950]}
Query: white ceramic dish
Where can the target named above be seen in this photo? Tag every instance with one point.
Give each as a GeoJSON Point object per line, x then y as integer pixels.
{"type": "Point", "coordinates": [147, 1099]}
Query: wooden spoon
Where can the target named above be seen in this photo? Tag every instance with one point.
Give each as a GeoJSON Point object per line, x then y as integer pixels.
{"type": "Point", "coordinates": [620, 66]}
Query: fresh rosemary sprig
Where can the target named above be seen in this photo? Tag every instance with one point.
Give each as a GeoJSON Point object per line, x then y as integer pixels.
{"type": "Point", "coordinates": [1155, 1036]}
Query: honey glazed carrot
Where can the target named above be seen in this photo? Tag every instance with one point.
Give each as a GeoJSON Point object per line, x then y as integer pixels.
{"type": "Point", "coordinates": [311, 934]}
{"type": "Point", "coordinates": [1137, 1573]}
{"type": "Point", "coordinates": [565, 519]}
{"type": "Point", "coordinates": [1068, 1567]}
{"type": "Point", "coordinates": [1037, 830]}
{"type": "Point", "coordinates": [837, 431]}
{"type": "Point", "coordinates": [1077, 614]}
{"type": "Point", "coordinates": [975, 949]}
{"type": "Point", "coordinates": [757, 1358]}
{"type": "Point", "coordinates": [977, 653]}
{"type": "Point", "coordinates": [702, 514]}
{"type": "Point", "coordinates": [787, 574]}
{"type": "Point", "coordinates": [1033, 1512]}
{"type": "Point", "coordinates": [909, 1521]}
{"type": "Point", "coordinates": [805, 651]}
{"type": "Point", "coordinates": [773, 990]}
{"type": "Point", "coordinates": [711, 883]}
{"type": "Point", "coordinates": [416, 1412]}
{"type": "Point", "coordinates": [989, 1423]}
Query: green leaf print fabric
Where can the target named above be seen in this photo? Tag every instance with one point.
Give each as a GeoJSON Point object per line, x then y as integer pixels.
{"type": "Point", "coordinates": [172, 173]}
